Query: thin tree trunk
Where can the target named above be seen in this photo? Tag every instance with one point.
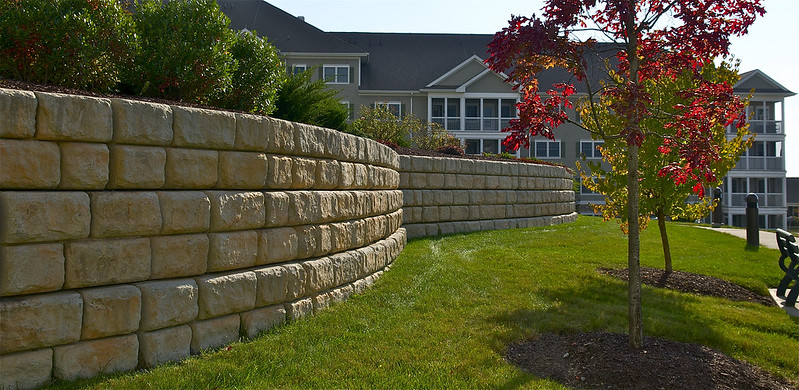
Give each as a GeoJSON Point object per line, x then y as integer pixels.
{"type": "Point", "coordinates": [636, 327]}
{"type": "Point", "coordinates": [664, 239]}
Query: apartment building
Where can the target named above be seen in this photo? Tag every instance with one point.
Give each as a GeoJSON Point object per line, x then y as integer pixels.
{"type": "Point", "coordinates": [442, 78]}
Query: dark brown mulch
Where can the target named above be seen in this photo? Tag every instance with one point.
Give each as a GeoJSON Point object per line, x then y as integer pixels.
{"type": "Point", "coordinates": [692, 283]}
{"type": "Point", "coordinates": [604, 361]}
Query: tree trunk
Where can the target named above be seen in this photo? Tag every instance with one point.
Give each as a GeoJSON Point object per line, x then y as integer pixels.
{"type": "Point", "coordinates": [664, 239]}
{"type": "Point", "coordinates": [636, 327]}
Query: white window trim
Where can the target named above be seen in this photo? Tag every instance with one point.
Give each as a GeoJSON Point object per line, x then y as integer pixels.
{"type": "Point", "coordinates": [594, 144]}
{"type": "Point", "coordinates": [295, 66]}
{"type": "Point", "coordinates": [560, 149]}
{"type": "Point", "coordinates": [336, 67]}
{"type": "Point", "coordinates": [388, 104]}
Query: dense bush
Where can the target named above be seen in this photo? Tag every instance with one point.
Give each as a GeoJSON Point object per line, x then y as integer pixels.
{"type": "Point", "coordinates": [379, 123]}
{"type": "Point", "coordinates": [257, 77]}
{"type": "Point", "coordinates": [185, 51]}
{"type": "Point", "coordinates": [302, 100]}
{"type": "Point", "coordinates": [73, 43]}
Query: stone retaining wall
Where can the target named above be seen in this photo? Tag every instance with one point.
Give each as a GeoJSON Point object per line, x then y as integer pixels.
{"type": "Point", "coordinates": [133, 234]}
{"type": "Point", "coordinates": [455, 195]}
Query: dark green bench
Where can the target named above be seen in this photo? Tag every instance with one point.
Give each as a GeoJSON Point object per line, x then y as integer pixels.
{"type": "Point", "coordinates": [789, 262]}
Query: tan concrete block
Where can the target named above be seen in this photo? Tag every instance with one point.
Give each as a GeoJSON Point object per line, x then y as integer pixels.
{"type": "Point", "coordinates": [184, 211]}
{"type": "Point", "coordinates": [37, 321]}
{"type": "Point", "coordinates": [295, 281]}
{"type": "Point", "coordinates": [333, 145]}
{"type": "Point", "coordinates": [328, 174]}
{"type": "Point", "coordinates": [259, 320]}
{"type": "Point", "coordinates": [321, 301]}
{"type": "Point", "coordinates": [124, 214]}
{"type": "Point", "coordinates": [191, 168]}
{"type": "Point", "coordinates": [73, 118]}
{"type": "Point", "coordinates": [90, 358]}
{"type": "Point", "coordinates": [100, 262]}
{"type": "Point", "coordinates": [236, 210]}
{"type": "Point", "coordinates": [164, 345]}
{"type": "Point", "coordinates": [304, 208]}
{"type": "Point", "coordinates": [242, 170]}
{"type": "Point", "coordinates": [279, 172]}
{"type": "Point", "coordinates": [110, 311]}
{"type": "Point", "coordinates": [361, 176]}
{"type": "Point", "coordinates": [201, 128]}
{"type": "Point", "coordinates": [141, 123]}
{"type": "Point", "coordinates": [27, 269]}
{"type": "Point", "coordinates": [277, 208]}
{"type": "Point", "coordinates": [321, 275]}
{"type": "Point", "coordinates": [313, 240]}
{"type": "Point", "coordinates": [166, 303]}
{"type": "Point", "coordinates": [233, 250]}
{"type": "Point", "coordinates": [252, 132]}
{"type": "Point", "coordinates": [346, 176]}
{"type": "Point", "coordinates": [137, 167]}
{"type": "Point", "coordinates": [281, 138]}
{"type": "Point", "coordinates": [309, 140]}
{"type": "Point", "coordinates": [303, 173]}
{"type": "Point", "coordinates": [29, 164]}
{"type": "Point", "coordinates": [43, 216]}
{"type": "Point", "coordinates": [26, 370]}
{"type": "Point", "coordinates": [272, 285]}
{"type": "Point", "coordinates": [214, 333]}
{"type": "Point", "coordinates": [299, 309]}
{"type": "Point", "coordinates": [277, 245]}
{"type": "Point", "coordinates": [349, 147]}
{"type": "Point", "coordinates": [222, 294]}
{"type": "Point", "coordinates": [84, 166]}
{"type": "Point", "coordinates": [179, 256]}
{"type": "Point", "coordinates": [18, 110]}
{"type": "Point", "coordinates": [340, 239]}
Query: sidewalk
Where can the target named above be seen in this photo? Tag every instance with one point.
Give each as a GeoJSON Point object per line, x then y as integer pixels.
{"type": "Point", "coordinates": [767, 239]}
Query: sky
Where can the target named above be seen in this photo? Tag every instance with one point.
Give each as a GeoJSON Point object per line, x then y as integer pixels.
{"type": "Point", "coordinates": [772, 44]}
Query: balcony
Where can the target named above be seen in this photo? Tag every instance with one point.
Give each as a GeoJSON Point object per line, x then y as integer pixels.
{"type": "Point", "coordinates": [761, 163]}
{"type": "Point", "coordinates": [765, 126]}
{"type": "Point", "coordinates": [764, 200]}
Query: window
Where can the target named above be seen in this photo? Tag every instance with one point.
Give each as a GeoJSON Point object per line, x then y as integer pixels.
{"type": "Point", "coordinates": [348, 106]}
{"type": "Point", "coordinates": [298, 68]}
{"type": "Point", "coordinates": [472, 114]}
{"type": "Point", "coordinates": [584, 190]}
{"type": "Point", "coordinates": [589, 149]}
{"type": "Point", "coordinates": [491, 146]}
{"type": "Point", "coordinates": [472, 146]}
{"type": "Point", "coordinates": [336, 74]}
{"type": "Point", "coordinates": [547, 149]}
{"type": "Point", "coordinates": [395, 108]}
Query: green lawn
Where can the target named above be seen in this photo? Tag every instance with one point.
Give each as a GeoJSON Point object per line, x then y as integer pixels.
{"type": "Point", "coordinates": [441, 317]}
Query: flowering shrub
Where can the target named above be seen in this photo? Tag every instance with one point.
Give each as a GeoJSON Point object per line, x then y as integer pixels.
{"type": "Point", "coordinates": [72, 43]}
{"type": "Point", "coordinates": [257, 77]}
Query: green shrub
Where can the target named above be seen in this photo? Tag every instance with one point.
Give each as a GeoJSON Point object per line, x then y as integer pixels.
{"type": "Point", "coordinates": [305, 101]}
{"type": "Point", "coordinates": [72, 43]}
{"type": "Point", "coordinates": [185, 51]}
{"type": "Point", "coordinates": [258, 76]}
{"type": "Point", "coordinates": [379, 123]}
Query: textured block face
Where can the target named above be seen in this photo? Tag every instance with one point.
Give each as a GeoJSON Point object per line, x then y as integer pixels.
{"type": "Point", "coordinates": [327, 174]}
{"type": "Point", "coordinates": [252, 132]}
{"type": "Point", "coordinates": [102, 262]}
{"type": "Point", "coordinates": [303, 173]}
{"type": "Point", "coordinates": [164, 345]}
{"type": "Point", "coordinates": [29, 164]}
{"type": "Point", "coordinates": [241, 170]}
{"type": "Point", "coordinates": [137, 167]}
{"type": "Point", "coordinates": [271, 286]}
{"type": "Point", "coordinates": [259, 320]}
{"type": "Point", "coordinates": [279, 170]}
{"type": "Point", "coordinates": [89, 358]}
{"type": "Point", "coordinates": [179, 256]}
{"type": "Point", "coordinates": [43, 216]}
{"type": "Point", "coordinates": [27, 269]}
{"type": "Point", "coordinates": [214, 333]}
{"type": "Point", "coordinates": [295, 281]}
{"type": "Point", "coordinates": [18, 108]}
{"type": "Point", "coordinates": [321, 275]}
{"type": "Point", "coordinates": [199, 128]}
{"type": "Point", "coordinates": [26, 370]}
{"type": "Point", "coordinates": [313, 240]}
{"type": "Point", "coordinates": [277, 208]}
{"type": "Point", "coordinates": [191, 168]}
{"type": "Point", "coordinates": [232, 250]}
{"type": "Point", "coordinates": [225, 294]}
{"type": "Point", "coordinates": [281, 138]}
{"type": "Point", "coordinates": [124, 214]}
{"type": "Point", "coordinates": [84, 166]}
{"type": "Point", "coordinates": [299, 309]}
{"type": "Point", "coordinates": [309, 140]}
{"type": "Point", "coordinates": [141, 123]}
{"type": "Point", "coordinates": [167, 303]}
{"type": "Point", "coordinates": [184, 211]}
{"type": "Point", "coordinates": [73, 118]}
{"type": "Point", "coordinates": [236, 210]}
{"type": "Point", "coordinates": [110, 311]}
{"type": "Point", "coordinates": [40, 321]}
{"type": "Point", "coordinates": [277, 245]}
{"type": "Point", "coordinates": [304, 208]}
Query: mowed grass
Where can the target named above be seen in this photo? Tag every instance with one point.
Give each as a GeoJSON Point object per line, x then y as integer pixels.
{"type": "Point", "coordinates": [442, 316]}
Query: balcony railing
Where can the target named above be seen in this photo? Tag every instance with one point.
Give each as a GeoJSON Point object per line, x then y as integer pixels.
{"type": "Point", "coordinates": [764, 200]}
{"type": "Point", "coordinates": [760, 163]}
{"type": "Point", "coordinates": [760, 127]}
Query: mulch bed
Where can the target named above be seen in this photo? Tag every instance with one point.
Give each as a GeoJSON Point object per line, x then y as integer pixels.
{"type": "Point", "coordinates": [604, 361]}
{"type": "Point", "coordinates": [693, 283]}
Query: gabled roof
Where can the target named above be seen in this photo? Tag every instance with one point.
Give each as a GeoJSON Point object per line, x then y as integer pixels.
{"type": "Point", "coordinates": [286, 32]}
{"type": "Point", "coordinates": [761, 83]}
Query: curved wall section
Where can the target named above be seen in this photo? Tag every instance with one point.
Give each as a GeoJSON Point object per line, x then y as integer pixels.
{"type": "Point", "coordinates": [455, 195]}
{"type": "Point", "coordinates": [133, 234]}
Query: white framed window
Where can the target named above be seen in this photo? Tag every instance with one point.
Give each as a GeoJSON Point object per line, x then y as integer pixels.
{"type": "Point", "coordinates": [548, 149]}
{"type": "Point", "coordinates": [485, 145]}
{"type": "Point", "coordinates": [589, 149]}
{"type": "Point", "coordinates": [395, 108]}
{"type": "Point", "coordinates": [336, 74]}
{"type": "Point", "coordinates": [584, 190]}
{"type": "Point", "coordinates": [298, 68]}
{"type": "Point", "coordinates": [348, 106]}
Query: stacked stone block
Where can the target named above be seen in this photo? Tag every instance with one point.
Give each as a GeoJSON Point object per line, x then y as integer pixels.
{"type": "Point", "coordinates": [455, 195]}
{"type": "Point", "coordinates": [133, 234]}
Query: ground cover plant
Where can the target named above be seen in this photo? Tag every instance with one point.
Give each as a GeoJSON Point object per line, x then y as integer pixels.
{"type": "Point", "coordinates": [444, 315]}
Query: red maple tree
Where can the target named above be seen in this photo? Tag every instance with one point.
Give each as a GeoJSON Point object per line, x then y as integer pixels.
{"type": "Point", "coordinates": [642, 40]}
